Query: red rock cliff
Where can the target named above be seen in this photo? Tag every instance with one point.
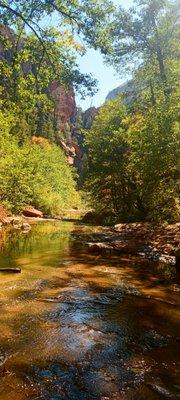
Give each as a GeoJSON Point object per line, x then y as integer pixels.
{"type": "Point", "coordinates": [65, 104]}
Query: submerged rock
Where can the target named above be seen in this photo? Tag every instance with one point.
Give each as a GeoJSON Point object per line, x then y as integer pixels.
{"type": "Point", "coordinates": [162, 391]}
{"type": "Point", "coordinates": [154, 255]}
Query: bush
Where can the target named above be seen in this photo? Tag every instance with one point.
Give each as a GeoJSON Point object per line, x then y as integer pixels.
{"type": "Point", "coordinates": [34, 174]}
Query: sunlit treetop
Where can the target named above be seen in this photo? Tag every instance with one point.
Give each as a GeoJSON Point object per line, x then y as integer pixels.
{"type": "Point", "coordinates": [90, 18]}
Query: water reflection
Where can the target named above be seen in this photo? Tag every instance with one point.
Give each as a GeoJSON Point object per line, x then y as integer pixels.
{"type": "Point", "coordinates": [77, 326]}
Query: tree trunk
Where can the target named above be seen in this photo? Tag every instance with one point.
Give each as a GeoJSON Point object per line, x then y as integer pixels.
{"type": "Point", "coordinates": [153, 98]}
{"type": "Point", "coordinates": [162, 72]}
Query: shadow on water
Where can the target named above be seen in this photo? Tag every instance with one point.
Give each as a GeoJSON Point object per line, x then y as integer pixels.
{"type": "Point", "coordinates": [78, 326]}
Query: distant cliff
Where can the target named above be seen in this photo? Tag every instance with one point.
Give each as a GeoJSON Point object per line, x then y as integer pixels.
{"type": "Point", "coordinates": [127, 89]}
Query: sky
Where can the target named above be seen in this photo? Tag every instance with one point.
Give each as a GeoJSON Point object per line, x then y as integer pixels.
{"type": "Point", "coordinates": [107, 78]}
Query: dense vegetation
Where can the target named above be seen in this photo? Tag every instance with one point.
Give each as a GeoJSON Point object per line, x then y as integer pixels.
{"type": "Point", "coordinates": [33, 168]}
{"type": "Point", "coordinates": [132, 147]}
{"type": "Point", "coordinates": [34, 174]}
{"type": "Point", "coordinates": [133, 162]}
{"type": "Point", "coordinates": [133, 168]}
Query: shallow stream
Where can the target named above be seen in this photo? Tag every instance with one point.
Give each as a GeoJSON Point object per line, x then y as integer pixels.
{"type": "Point", "coordinates": [81, 326]}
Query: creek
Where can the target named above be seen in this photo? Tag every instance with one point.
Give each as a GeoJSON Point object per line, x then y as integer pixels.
{"type": "Point", "coordinates": [81, 326]}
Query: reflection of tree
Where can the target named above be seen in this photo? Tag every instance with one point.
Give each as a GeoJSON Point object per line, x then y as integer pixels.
{"type": "Point", "coordinates": [5, 260]}
{"type": "Point", "coordinates": [3, 238]}
{"type": "Point", "coordinates": [43, 236]}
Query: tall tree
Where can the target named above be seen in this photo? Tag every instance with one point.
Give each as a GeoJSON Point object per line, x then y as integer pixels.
{"type": "Point", "coordinates": [145, 33]}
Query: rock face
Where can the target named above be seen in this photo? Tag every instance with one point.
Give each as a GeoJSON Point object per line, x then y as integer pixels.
{"type": "Point", "coordinates": [8, 34]}
{"type": "Point", "coordinates": [69, 117]}
{"type": "Point", "coordinates": [65, 109]}
{"type": "Point", "coordinates": [65, 104]}
{"type": "Point", "coordinates": [88, 117]}
{"type": "Point", "coordinates": [127, 89]}
{"type": "Point", "coordinates": [65, 114]}
{"type": "Point", "coordinates": [32, 212]}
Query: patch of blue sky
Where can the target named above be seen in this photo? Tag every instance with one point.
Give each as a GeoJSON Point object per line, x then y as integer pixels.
{"type": "Point", "coordinates": [92, 63]}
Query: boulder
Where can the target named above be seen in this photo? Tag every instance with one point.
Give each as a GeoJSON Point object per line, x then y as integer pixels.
{"type": "Point", "coordinates": [16, 222]}
{"type": "Point", "coordinates": [32, 212]}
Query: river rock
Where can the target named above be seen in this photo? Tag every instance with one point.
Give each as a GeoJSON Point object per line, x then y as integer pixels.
{"type": "Point", "coordinates": [152, 254]}
{"type": "Point", "coordinates": [168, 249]}
{"type": "Point", "coordinates": [6, 221]}
{"type": "Point", "coordinates": [17, 226]}
{"type": "Point", "coordinates": [25, 226]}
{"type": "Point", "coordinates": [16, 222]}
{"type": "Point", "coordinates": [32, 212]}
{"type": "Point", "coordinates": [100, 247]}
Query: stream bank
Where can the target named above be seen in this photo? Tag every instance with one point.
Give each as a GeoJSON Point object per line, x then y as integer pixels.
{"type": "Point", "coordinates": [155, 243]}
{"type": "Point", "coordinates": [158, 244]}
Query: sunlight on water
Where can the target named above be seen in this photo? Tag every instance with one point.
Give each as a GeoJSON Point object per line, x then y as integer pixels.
{"type": "Point", "coordinates": [79, 326]}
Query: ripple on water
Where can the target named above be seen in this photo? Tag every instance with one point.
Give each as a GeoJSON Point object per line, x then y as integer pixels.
{"type": "Point", "coordinates": [74, 326]}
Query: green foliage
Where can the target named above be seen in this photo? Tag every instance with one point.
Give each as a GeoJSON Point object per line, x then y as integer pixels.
{"type": "Point", "coordinates": [132, 168]}
{"type": "Point", "coordinates": [146, 34]}
{"type": "Point", "coordinates": [154, 160]}
{"type": "Point", "coordinates": [34, 174]}
{"type": "Point", "coordinates": [132, 156]}
{"type": "Point", "coordinates": [90, 18]}
{"type": "Point", "coordinates": [32, 58]}
{"type": "Point", "coordinates": [132, 162]}
{"type": "Point", "coordinates": [106, 143]}
{"type": "Point", "coordinates": [27, 71]}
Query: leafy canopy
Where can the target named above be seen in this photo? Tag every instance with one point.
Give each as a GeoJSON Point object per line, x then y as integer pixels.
{"type": "Point", "coordinates": [146, 32]}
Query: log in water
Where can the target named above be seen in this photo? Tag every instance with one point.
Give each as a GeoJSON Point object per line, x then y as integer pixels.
{"type": "Point", "coordinates": [11, 270]}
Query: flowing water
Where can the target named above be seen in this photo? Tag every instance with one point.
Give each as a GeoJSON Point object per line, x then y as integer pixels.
{"type": "Point", "coordinates": [78, 326]}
